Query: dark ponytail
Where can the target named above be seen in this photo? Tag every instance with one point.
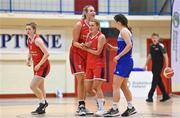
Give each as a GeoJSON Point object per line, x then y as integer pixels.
{"type": "Point", "coordinates": [129, 28]}
{"type": "Point", "coordinates": [124, 21]}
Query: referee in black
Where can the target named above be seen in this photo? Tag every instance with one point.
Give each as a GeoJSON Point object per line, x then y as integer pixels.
{"type": "Point", "coordinates": [158, 54]}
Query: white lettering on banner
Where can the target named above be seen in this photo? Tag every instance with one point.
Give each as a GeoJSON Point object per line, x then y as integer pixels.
{"type": "Point", "coordinates": [140, 83]}
{"type": "Point", "coordinates": [17, 43]}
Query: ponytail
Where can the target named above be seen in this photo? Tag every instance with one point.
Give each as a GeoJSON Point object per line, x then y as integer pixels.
{"type": "Point", "coordinates": [129, 28]}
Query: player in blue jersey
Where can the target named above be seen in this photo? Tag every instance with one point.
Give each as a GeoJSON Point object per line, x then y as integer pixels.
{"type": "Point", "coordinates": [124, 65]}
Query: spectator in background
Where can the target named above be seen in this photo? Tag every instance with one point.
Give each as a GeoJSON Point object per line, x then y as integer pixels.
{"type": "Point", "coordinates": [157, 53]}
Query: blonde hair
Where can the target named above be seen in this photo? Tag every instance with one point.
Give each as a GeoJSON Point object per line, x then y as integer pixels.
{"type": "Point", "coordinates": [97, 23]}
{"type": "Point", "coordinates": [85, 11]}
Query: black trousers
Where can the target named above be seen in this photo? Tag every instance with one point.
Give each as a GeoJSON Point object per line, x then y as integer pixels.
{"type": "Point", "coordinates": [157, 80]}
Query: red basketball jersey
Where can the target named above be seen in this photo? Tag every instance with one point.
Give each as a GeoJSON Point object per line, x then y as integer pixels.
{"type": "Point", "coordinates": [35, 51]}
{"type": "Point", "coordinates": [82, 36]}
{"type": "Point", "coordinates": [78, 56]}
{"type": "Point", "coordinates": [84, 32]}
{"type": "Point", "coordinates": [94, 60]}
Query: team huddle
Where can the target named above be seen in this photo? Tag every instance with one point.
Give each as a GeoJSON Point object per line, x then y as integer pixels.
{"type": "Point", "coordinates": [86, 59]}
{"type": "Point", "coordinates": [87, 64]}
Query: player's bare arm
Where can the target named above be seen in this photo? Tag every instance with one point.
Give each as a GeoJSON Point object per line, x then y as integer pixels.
{"type": "Point", "coordinates": [76, 33]}
{"type": "Point", "coordinates": [28, 60]}
{"type": "Point", "coordinates": [115, 48]}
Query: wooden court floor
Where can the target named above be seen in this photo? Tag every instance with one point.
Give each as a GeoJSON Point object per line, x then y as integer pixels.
{"type": "Point", "coordinates": [66, 107]}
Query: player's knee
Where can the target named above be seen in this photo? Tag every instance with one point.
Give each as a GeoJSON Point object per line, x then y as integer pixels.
{"type": "Point", "coordinates": [32, 87]}
{"type": "Point", "coordinates": [115, 86]}
{"type": "Point", "coordinates": [90, 92]}
{"type": "Point", "coordinates": [95, 88]}
{"type": "Point", "coordinates": [124, 88]}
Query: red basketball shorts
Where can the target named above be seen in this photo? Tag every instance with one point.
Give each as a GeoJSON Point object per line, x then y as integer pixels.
{"type": "Point", "coordinates": [77, 61]}
{"type": "Point", "coordinates": [43, 70]}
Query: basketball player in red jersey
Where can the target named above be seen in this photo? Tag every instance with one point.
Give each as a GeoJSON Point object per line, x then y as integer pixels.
{"type": "Point", "coordinates": [95, 65]}
{"type": "Point", "coordinates": [78, 55]}
{"type": "Point", "coordinates": [39, 56]}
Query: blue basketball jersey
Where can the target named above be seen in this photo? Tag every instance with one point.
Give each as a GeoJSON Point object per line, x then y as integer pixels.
{"type": "Point", "coordinates": [122, 44]}
{"type": "Point", "coordinates": [125, 63]}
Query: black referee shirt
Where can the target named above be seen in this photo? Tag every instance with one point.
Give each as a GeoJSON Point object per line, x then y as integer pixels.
{"type": "Point", "coordinates": [157, 52]}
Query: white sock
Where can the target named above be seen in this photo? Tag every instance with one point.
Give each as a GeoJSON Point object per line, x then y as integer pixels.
{"type": "Point", "coordinates": [42, 101]}
{"type": "Point", "coordinates": [115, 105]}
{"type": "Point", "coordinates": [103, 100]}
{"type": "Point", "coordinates": [80, 100]}
{"type": "Point", "coordinates": [129, 104]}
{"type": "Point", "coordinates": [100, 104]}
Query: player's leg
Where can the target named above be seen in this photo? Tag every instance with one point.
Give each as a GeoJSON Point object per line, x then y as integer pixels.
{"type": "Point", "coordinates": [36, 81]}
{"type": "Point", "coordinates": [81, 93]}
{"type": "Point", "coordinates": [127, 93]}
{"type": "Point", "coordinates": [89, 88]}
{"type": "Point", "coordinates": [114, 111]}
{"type": "Point", "coordinates": [78, 68]}
{"type": "Point", "coordinates": [97, 84]}
{"type": "Point", "coordinates": [42, 88]}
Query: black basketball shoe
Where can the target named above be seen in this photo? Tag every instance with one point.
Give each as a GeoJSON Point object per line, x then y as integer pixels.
{"type": "Point", "coordinates": [112, 113]}
{"type": "Point", "coordinates": [129, 112]}
{"type": "Point", "coordinates": [41, 109]}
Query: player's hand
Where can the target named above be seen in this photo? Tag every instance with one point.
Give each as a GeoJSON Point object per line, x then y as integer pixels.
{"type": "Point", "coordinates": [112, 47]}
{"type": "Point", "coordinates": [109, 45]}
{"type": "Point", "coordinates": [88, 44]}
{"type": "Point", "coordinates": [28, 62]}
{"type": "Point", "coordinates": [82, 45]}
{"type": "Point", "coordinates": [116, 58]}
{"type": "Point", "coordinates": [36, 68]}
